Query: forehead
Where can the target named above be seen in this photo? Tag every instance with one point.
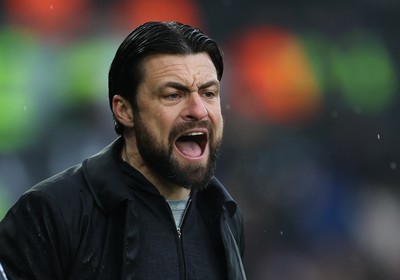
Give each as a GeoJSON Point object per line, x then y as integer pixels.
{"type": "Point", "coordinates": [183, 68]}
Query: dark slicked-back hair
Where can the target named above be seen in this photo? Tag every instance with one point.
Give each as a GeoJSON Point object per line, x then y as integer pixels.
{"type": "Point", "coordinates": [126, 71]}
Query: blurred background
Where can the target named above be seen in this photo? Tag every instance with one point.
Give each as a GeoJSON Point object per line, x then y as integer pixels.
{"type": "Point", "coordinates": [311, 100]}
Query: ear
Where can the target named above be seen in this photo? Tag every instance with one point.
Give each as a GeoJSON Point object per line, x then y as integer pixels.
{"type": "Point", "coordinates": [122, 110]}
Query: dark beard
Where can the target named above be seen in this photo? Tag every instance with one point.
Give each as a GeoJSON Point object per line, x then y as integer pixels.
{"type": "Point", "coordinates": [160, 159]}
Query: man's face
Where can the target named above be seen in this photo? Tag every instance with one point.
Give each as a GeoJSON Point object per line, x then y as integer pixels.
{"type": "Point", "coordinates": [179, 125]}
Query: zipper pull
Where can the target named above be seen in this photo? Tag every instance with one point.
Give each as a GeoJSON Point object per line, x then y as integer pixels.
{"type": "Point", "coordinates": [178, 230]}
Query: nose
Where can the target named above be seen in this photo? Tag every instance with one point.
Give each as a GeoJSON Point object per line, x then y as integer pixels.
{"type": "Point", "coordinates": [195, 108]}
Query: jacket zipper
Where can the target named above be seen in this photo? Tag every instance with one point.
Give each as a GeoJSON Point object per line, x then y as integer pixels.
{"type": "Point", "coordinates": [178, 229]}
{"type": "Point", "coordinates": [180, 245]}
{"type": "Point", "coordinates": [181, 255]}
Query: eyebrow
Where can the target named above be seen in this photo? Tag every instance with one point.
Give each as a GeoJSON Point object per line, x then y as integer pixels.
{"type": "Point", "coordinates": [182, 87]}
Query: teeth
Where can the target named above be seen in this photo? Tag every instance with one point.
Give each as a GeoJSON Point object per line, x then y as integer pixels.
{"type": "Point", "coordinates": [195, 134]}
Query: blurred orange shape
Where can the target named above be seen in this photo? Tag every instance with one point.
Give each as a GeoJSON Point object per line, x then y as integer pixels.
{"type": "Point", "coordinates": [47, 16]}
{"type": "Point", "coordinates": [272, 67]}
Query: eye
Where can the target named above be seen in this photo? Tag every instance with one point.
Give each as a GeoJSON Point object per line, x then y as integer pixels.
{"type": "Point", "coordinates": [209, 94]}
{"type": "Point", "coordinates": [172, 96]}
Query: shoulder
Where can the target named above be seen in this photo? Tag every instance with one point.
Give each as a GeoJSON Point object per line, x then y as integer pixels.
{"type": "Point", "coordinates": [48, 217]}
{"type": "Point", "coordinates": [64, 189]}
{"type": "Point", "coordinates": [61, 199]}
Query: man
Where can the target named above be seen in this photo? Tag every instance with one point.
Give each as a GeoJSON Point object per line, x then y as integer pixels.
{"type": "Point", "coordinates": [147, 206]}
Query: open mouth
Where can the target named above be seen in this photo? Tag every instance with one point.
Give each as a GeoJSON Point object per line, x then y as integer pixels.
{"type": "Point", "coordinates": [192, 144]}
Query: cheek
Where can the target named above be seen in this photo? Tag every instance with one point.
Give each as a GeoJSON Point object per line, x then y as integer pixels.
{"type": "Point", "coordinates": [220, 127]}
{"type": "Point", "coordinates": [219, 124]}
{"type": "Point", "coordinates": [163, 124]}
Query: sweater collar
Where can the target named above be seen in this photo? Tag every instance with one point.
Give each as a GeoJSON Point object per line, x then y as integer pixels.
{"type": "Point", "coordinates": [106, 182]}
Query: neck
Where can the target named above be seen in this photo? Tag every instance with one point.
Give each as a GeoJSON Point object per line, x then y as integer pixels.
{"type": "Point", "coordinates": [166, 188]}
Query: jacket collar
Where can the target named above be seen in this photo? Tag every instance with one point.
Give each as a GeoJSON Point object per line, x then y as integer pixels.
{"type": "Point", "coordinates": [108, 187]}
{"type": "Point", "coordinates": [105, 178]}
{"type": "Point", "coordinates": [217, 191]}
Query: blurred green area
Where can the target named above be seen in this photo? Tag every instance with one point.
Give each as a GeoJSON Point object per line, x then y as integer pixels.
{"type": "Point", "coordinates": [83, 71]}
{"type": "Point", "coordinates": [19, 105]}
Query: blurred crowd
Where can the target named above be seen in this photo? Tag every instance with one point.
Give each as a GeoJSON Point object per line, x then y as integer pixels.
{"type": "Point", "coordinates": [311, 101]}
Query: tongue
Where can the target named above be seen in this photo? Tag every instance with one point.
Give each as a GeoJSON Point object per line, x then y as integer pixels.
{"type": "Point", "coordinates": [189, 148]}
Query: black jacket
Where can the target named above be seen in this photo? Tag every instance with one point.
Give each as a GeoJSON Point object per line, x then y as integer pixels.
{"type": "Point", "coordinates": [81, 224]}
